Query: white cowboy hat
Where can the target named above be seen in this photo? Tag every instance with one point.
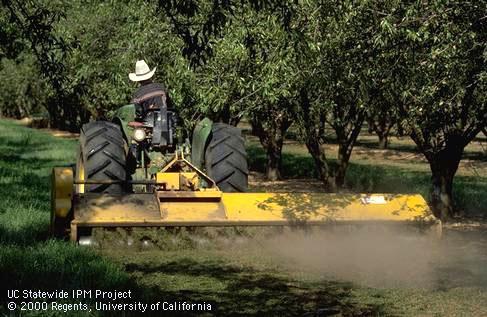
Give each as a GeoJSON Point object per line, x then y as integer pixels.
{"type": "Point", "coordinates": [142, 71]}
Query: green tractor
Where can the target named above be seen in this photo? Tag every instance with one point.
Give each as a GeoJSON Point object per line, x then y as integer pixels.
{"type": "Point", "coordinates": [141, 172]}
{"type": "Point", "coordinates": [126, 151]}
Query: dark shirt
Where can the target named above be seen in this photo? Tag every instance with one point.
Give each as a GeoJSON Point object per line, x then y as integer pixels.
{"type": "Point", "coordinates": [149, 97]}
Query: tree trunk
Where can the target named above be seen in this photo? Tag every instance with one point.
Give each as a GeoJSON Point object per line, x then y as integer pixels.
{"type": "Point", "coordinates": [317, 151]}
{"type": "Point", "coordinates": [274, 159]}
{"type": "Point", "coordinates": [346, 141]}
{"type": "Point", "coordinates": [383, 141]}
{"type": "Point", "coordinates": [54, 113]}
{"type": "Point", "coordinates": [441, 194]}
{"type": "Point", "coordinates": [441, 189]}
{"type": "Point", "coordinates": [400, 130]}
{"type": "Point", "coordinates": [270, 131]}
{"type": "Point", "coordinates": [343, 159]}
{"type": "Point", "coordinates": [485, 134]}
{"type": "Point", "coordinates": [444, 165]}
{"type": "Point", "coordinates": [370, 125]}
{"type": "Point", "coordinates": [382, 128]}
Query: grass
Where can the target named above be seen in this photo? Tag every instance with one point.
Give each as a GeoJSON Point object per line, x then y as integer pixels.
{"type": "Point", "coordinates": [237, 280]}
{"type": "Point", "coordinates": [30, 260]}
{"type": "Point", "coordinates": [237, 287]}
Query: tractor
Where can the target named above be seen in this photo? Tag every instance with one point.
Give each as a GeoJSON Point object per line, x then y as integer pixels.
{"type": "Point", "coordinates": [137, 171]}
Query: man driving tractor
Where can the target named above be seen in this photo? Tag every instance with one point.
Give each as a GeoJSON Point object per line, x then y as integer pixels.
{"type": "Point", "coordinates": [150, 97]}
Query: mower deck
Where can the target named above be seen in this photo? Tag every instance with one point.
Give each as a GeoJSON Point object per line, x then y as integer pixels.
{"type": "Point", "coordinates": [214, 208]}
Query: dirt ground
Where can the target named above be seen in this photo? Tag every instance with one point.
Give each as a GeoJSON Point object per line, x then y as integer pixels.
{"type": "Point", "coordinates": [257, 180]}
{"type": "Point", "coordinates": [29, 122]}
{"type": "Point", "coordinates": [402, 153]}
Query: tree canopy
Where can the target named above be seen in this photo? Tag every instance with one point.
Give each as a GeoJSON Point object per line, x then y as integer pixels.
{"type": "Point", "coordinates": [314, 65]}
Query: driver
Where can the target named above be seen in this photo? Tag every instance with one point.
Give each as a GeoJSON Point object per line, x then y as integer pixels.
{"type": "Point", "coordinates": [149, 95]}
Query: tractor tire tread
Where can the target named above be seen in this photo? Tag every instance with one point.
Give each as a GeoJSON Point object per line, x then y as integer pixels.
{"type": "Point", "coordinates": [226, 159]}
{"type": "Point", "coordinates": [103, 150]}
{"type": "Point", "coordinates": [97, 148]}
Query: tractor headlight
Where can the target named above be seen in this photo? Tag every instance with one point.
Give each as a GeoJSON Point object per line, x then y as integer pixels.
{"type": "Point", "coordinates": [139, 135]}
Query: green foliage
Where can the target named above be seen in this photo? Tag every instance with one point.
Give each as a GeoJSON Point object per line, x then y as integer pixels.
{"type": "Point", "coordinates": [252, 67]}
{"type": "Point", "coordinates": [199, 23]}
{"type": "Point", "coordinates": [11, 41]}
{"type": "Point", "coordinates": [321, 63]}
{"type": "Point", "coordinates": [111, 37]}
{"type": "Point", "coordinates": [87, 55]}
{"type": "Point", "coordinates": [337, 75]}
{"type": "Point", "coordinates": [22, 92]}
{"type": "Point", "coordinates": [439, 49]}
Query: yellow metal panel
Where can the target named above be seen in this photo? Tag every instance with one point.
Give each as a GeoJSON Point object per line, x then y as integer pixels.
{"type": "Point", "coordinates": [213, 208]}
{"type": "Point", "coordinates": [171, 180]}
{"type": "Point", "coordinates": [144, 208]}
{"type": "Point", "coordinates": [80, 174]}
{"type": "Point", "coordinates": [178, 181]}
{"type": "Point", "coordinates": [188, 208]}
{"type": "Point", "coordinates": [324, 207]}
{"type": "Point", "coordinates": [96, 208]}
{"type": "Point", "coordinates": [188, 212]}
{"type": "Point", "coordinates": [62, 190]}
{"type": "Point", "coordinates": [190, 195]}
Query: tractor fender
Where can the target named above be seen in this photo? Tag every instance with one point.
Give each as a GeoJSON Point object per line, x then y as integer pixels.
{"type": "Point", "coordinates": [201, 134]}
{"type": "Point", "coordinates": [122, 117]}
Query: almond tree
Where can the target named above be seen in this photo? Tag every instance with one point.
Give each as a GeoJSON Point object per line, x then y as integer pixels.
{"type": "Point", "coordinates": [437, 54]}
{"type": "Point", "coordinates": [252, 73]}
{"type": "Point", "coordinates": [336, 78]}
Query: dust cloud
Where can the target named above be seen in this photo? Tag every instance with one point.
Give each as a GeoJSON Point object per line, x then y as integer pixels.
{"type": "Point", "coordinates": [386, 258]}
{"type": "Point", "coordinates": [380, 257]}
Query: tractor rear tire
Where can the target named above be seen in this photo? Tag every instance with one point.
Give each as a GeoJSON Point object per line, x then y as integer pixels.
{"type": "Point", "coordinates": [226, 158]}
{"type": "Point", "coordinates": [102, 156]}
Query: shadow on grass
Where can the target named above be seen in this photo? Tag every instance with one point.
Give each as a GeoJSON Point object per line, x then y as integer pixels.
{"type": "Point", "coordinates": [374, 144]}
{"type": "Point", "coordinates": [475, 156]}
{"type": "Point", "coordinates": [55, 265]}
{"type": "Point", "coordinates": [371, 143]}
{"type": "Point", "coordinates": [294, 166]}
{"type": "Point", "coordinates": [246, 292]}
{"type": "Point", "coordinates": [25, 203]}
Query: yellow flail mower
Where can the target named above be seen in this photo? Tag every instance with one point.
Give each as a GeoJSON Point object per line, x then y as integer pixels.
{"type": "Point", "coordinates": [137, 172]}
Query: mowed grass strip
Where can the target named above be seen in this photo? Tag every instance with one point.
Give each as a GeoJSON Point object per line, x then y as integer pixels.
{"type": "Point", "coordinates": [235, 283]}
{"type": "Point", "coordinates": [30, 260]}
{"type": "Point", "coordinates": [26, 159]}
